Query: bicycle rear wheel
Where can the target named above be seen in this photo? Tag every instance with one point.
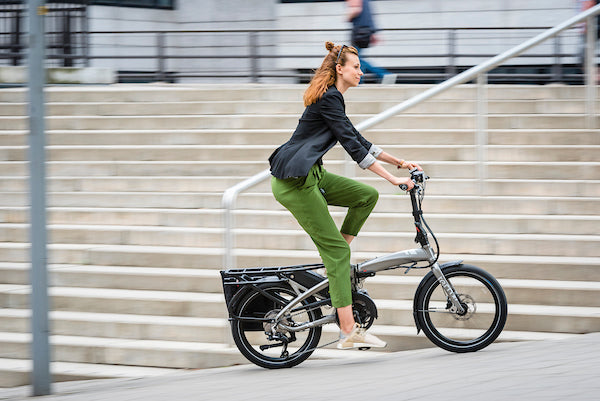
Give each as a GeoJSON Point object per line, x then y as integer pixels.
{"type": "Point", "coordinates": [484, 301]}
{"type": "Point", "coordinates": [256, 340]}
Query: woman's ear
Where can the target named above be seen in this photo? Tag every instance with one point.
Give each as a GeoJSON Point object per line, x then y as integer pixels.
{"type": "Point", "coordinates": [338, 69]}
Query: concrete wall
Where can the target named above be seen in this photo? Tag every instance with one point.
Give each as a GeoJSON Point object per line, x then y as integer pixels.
{"type": "Point", "coordinates": [190, 15]}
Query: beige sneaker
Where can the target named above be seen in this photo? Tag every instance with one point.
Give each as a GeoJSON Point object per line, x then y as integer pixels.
{"type": "Point", "coordinates": [359, 338]}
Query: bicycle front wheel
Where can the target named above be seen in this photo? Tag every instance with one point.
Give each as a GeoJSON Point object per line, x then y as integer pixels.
{"type": "Point", "coordinates": [485, 310]}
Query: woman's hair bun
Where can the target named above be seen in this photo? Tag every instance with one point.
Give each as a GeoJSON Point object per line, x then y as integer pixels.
{"type": "Point", "coordinates": [329, 45]}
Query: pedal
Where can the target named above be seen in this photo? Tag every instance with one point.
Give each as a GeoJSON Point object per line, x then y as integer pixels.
{"type": "Point", "coordinates": [364, 348]}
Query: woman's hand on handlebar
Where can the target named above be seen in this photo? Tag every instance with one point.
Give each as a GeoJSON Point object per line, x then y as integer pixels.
{"type": "Point", "coordinates": [406, 184]}
{"type": "Point", "coordinates": [409, 165]}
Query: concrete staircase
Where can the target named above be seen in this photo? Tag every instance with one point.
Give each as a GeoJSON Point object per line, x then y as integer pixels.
{"type": "Point", "coordinates": [135, 180]}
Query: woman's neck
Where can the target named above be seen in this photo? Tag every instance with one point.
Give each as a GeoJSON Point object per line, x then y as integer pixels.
{"type": "Point", "coordinates": [341, 86]}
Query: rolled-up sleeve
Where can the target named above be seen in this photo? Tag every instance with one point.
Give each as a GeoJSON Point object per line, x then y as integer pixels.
{"type": "Point", "coordinates": [375, 150]}
{"type": "Point", "coordinates": [367, 161]}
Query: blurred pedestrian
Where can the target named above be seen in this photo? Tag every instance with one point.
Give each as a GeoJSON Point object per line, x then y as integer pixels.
{"type": "Point", "coordinates": [364, 35]}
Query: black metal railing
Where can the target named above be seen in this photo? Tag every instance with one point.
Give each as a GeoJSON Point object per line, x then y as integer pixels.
{"type": "Point", "coordinates": [66, 33]}
{"type": "Point", "coordinates": [266, 55]}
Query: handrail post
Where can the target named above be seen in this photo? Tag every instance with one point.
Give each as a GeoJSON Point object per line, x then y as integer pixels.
{"type": "Point", "coordinates": [160, 55]}
{"type": "Point", "coordinates": [590, 72]}
{"type": "Point", "coordinates": [228, 203]}
{"type": "Point", "coordinates": [482, 135]}
{"type": "Point", "coordinates": [253, 47]}
{"type": "Point", "coordinates": [451, 68]}
{"type": "Point", "coordinates": [557, 67]}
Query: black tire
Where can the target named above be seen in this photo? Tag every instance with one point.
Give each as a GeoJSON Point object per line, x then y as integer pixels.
{"type": "Point", "coordinates": [474, 330]}
{"type": "Point", "coordinates": [249, 336]}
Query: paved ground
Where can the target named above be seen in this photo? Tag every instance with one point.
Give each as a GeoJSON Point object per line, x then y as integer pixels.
{"type": "Point", "coordinates": [549, 370]}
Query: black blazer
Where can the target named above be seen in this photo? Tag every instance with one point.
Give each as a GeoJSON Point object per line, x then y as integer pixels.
{"type": "Point", "coordinates": [321, 126]}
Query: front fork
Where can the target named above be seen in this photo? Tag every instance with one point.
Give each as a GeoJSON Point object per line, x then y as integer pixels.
{"type": "Point", "coordinates": [456, 307]}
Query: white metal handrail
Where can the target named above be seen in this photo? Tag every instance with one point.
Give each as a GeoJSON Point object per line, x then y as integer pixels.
{"type": "Point", "coordinates": [476, 72]}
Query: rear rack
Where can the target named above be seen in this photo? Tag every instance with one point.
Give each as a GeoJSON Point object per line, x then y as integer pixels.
{"type": "Point", "coordinates": [268, 271]}
{"type": "Point", "coordinates": [235, 279]}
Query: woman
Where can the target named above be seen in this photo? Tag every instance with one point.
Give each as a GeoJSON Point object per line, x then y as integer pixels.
{"type": "Point", "coordinates": [305, 188]}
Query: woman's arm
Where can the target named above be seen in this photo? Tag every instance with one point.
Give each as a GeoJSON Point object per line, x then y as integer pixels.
{"type": "Point", "coordinates": [386, 157]}
{"type": "Point", "coordinates": [378, 169]}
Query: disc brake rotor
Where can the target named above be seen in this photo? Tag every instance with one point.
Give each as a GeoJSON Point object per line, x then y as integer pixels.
{"type": "Point", "coordinates": [469, 304]}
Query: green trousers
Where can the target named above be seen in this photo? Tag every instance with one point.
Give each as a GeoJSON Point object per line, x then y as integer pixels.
{"type": "Point", "coordinates": [307, 198]}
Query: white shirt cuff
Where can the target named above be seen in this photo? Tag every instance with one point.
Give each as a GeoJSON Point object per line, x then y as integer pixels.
{"type": "Point", "coordinates": [375, 150]}
{"type": "Point", "coordinates": [367, 161]}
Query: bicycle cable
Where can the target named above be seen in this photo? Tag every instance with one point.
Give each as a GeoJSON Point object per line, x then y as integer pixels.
{"type": "Point", "coordinates": [420, 198]}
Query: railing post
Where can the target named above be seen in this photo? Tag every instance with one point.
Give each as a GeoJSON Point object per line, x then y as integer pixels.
{"type": "Point", "coordinates": [15, 39]}
{"type": "Point", "coordinates": [228, 203]}
{"type": "Point", "coordinates": [451, 68]}
{"type": "Point", "coordinates": [557, 67]}
{"type": "Point", "coordinates": [228, 238]}
{"type": "Point", "coordinates": [482, 136]}
{"type": "Point", "coordinates": [160, 55]}
{"type": "Point", "coordinates": [590, 72]}
{"type": "Point", "coordinates": [253, 47]}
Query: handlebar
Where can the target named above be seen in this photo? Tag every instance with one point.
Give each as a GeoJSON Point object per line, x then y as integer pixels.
{"type": "Point", "coordinates": [417, 176]}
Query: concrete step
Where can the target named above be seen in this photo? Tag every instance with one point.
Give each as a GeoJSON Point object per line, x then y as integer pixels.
{"type": "Point", "coordinates": [296, 239]}
{"type": "Point", "coordinates": [122, 326]}
{"type": "Point", "coordinates": [110, 300]}
{"type": "Point", "coordinates": [501, 266]}
{"type": "Point", "coordinates": [17, 372]}
{"type": "Point", "coordinates": [282, 219]}
{"type": "Point", "coordinates": [437, 186]}
{"type": "Point", "coordinates": [399, 286]}
{"type": "Point", "coordinates": [548, 292]}
{"type": "Point", "coordinates": [550, 205]}
{"type": "Point", "coordinates": [229, 107]}
{"type": "Point", "coordinates": [496, 153]}
{"type": "Point", "coordinates": [531, 318]}
{"type": "Point", "coordinates": [146, 353]}
{"type": "Point", "coordinates": [283, 92]}
{"type": "Point", "coordinates": [438, 169]}
{"type": "Point", "coordinates": [120, 277]}
{"type": "Point", "coordinates": [273, 121]}
{"type": "Point", "coordinates": [114, 351]}
{"type": "Point", "coordinates": [274, 137]}
{"type": "Point", "coordinates": [205, 277]}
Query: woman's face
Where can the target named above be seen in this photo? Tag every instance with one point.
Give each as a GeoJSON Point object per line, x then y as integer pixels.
{"type": "Point", "coordinates": [350, 72]}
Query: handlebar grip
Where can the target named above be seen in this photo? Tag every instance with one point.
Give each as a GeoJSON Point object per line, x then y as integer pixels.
{"type": "Point", "coordinates": [403, 187]}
